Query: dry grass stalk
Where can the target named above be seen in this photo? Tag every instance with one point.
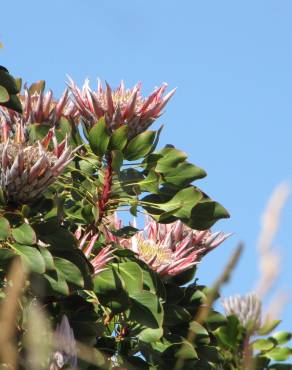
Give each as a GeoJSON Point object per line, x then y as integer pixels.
{"type": "Point", "coordinates": [269, 263]}
{"type": "Point", "coordinates": [38, 337]}
{"type": "Point", "coordinates": [8, 314]}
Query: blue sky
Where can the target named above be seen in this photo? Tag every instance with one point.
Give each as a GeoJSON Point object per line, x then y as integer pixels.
{"type": "Point", "coordinates": [232, 112]}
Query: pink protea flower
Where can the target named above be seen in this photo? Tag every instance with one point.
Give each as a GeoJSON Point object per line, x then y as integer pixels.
{"type": "Point", "coordinates": [120, 106]}
{"type": "Point", "coordinates": [86, 244]}
{"type": "Point", "coordinates": [39, 107]}
{"type": "Point", "coordinates": [170, 249]}
{"type": "Point", "coordinates": [26, 170]}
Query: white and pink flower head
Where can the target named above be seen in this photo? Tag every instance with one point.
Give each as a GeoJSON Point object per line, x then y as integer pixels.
{"type": "Point", "coordinates": [169, 249]}
{"type": "Point", "coordinates": [86, 244]}
{"type": "Point", "coordinates": [119, 106]}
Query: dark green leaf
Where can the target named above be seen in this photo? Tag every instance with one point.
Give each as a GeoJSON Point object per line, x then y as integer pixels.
{"type": "Point", "coordinates": [139, 146]}
{"type": "Point", "coordinates": [4, 228]}
{"type": "Point", "coordinates": [111, 290]}
{"type": "Point", "coordinates": [205, 214]}
{"type": "Point", "coordinates": [119, 138]}
{"type": "Point", "coordinates": [146, 309]}
{"type": "Point", "coordinates": [175, 315]}
{"type": "Point", "coordinates": [99, 138]}
{"type": "Point", "coordinates": [69, 271]}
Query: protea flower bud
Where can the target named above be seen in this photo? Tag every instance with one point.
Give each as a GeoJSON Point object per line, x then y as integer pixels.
{"type": "Point", "coordinates": [86, 244]}
{"type": "Point", "coordinates": [65, 353]}
{"type": "Point", "coordinates": [247, 308]}
{"type": "Point", "coordinates": [120, 106]}
{"type": "Point", "coordinates": [39, 107]}
{"type": "Point", "coordinates": [170, 249]}
{"type": "Point", "coordinates": [26, 170]}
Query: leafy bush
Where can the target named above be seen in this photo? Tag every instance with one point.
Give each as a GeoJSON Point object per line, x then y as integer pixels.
{"type": "Point", "coordinates": [81, 290]}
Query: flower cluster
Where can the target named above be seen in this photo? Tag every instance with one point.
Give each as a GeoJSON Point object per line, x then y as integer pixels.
{"type": "Point", "coordinates": [120, 106]}
{"type": "Point", "coordinates": [169, 249]}
{"type": "Point", "coordinates": [26, 170]}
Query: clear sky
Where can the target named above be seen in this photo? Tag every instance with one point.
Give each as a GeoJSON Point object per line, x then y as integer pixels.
{"type": "Point", "coordinates": [231, 61]}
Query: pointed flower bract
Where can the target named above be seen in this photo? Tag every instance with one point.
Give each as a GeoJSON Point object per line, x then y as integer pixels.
{"type": "Point", "coordinates": [120, 106]}
{"type": "Point", "coordinates": [169, 249]}
{"type": "Point", "coordinates": [247, 308]}
{"type": "Point", "coordinates": [26, 170]}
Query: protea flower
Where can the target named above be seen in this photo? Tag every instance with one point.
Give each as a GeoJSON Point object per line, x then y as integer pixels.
{"type": "Point", "coordinates": [86, 244]}
{"type": "Point", "coordinates": [39, 108]}
{"type": "Point", "coordinates": [170, 249]}
{"type": "Point", "coordinates": [120, 106]}
{"type": "Point", "coordinates": [65, 353]}
{"type": "Point", "coordinates": [26, 170]}
{"type": "Point", "coordinates": [247, 308]}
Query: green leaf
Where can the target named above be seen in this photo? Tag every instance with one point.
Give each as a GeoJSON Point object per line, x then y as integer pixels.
{"type": "Point", "coordinates": [263, 344]}
{"type": "Point", "coordinates": [184, 174]}
{"type": "Point", "coordinates": [69, 271]}
{"type": "Point", "coordinates": [146, 309]}
{"type": "Point", "coordinates": [132, 275]}
{"type": "Point", "coordinates": [150, 183]}
{"type": "Point", "coordinates": [149, 335]}
{"type": "Point", "coordinates": [4, 228]}
{"type": "Point", "coordinates": [24, 234]}
{"type": "Point", "coordinates": [139, 146]}
{"type": "Point", "coordinates": [227, 335]}
{"type": "Point", "coordinates": [152, 282]}
{"type": "Point", "coordinates": [282, 337]}
{"type": "Point", "coordinates": [183, 350]}
{"type": "Point", "coordinates": [31, 257]}
{"type": "Point", "coordinates": [4, 96]}
{"type": "Point", "coordinates": [5, 256]}
{"type": "Point", "coordinates": [110, 289]}
{"type": "Point", "coordinates": [183, 202]}
{"type": "Point", "coordinates": [205, 214]}
{"type": "Point", "coordinates": [119, 138]}
{"type": "Point", "coordinates": [99, 137]}
{"type": "Point", "coordinates": [170, 158]}
{"type": "Point", "coordinates": [201, 333]}
{"type": "Point", "coordinates": [279, 353]}
{"type": "Point", "coordinates": [48, 258]}
{"type": "Point", "coordinates": [268, 326]}
{"type": "Point", "coordinates": [117, 160]}
{"type": "Point", "coordinates": [57, 283]}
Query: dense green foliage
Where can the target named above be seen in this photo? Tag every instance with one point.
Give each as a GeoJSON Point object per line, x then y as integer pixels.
{"type": "Point", "coordinates": [132, 316]}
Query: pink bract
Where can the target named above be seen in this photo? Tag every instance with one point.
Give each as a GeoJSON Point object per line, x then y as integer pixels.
{"type": "Point", "coordinates": [119, 106]}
